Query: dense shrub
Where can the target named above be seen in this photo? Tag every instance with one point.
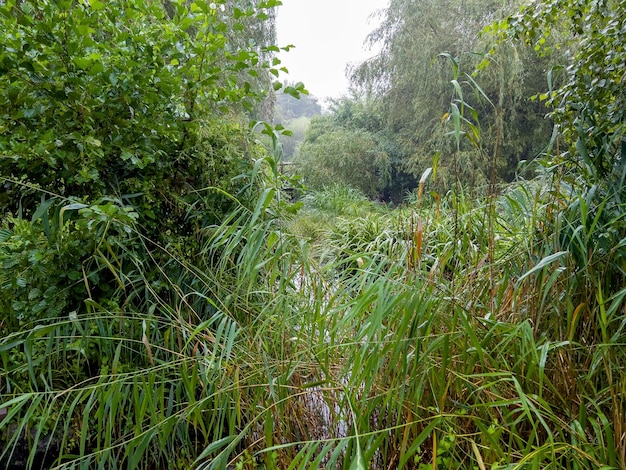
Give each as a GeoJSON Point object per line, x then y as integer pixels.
{"type": "Point", "coordinates": [333, 154]}
{"type": "Point", "coordinates": [126, 99]}
{"type": "Point", "coordinates": [54, 264]}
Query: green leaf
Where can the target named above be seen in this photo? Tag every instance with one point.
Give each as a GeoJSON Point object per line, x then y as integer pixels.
{"type": "Point", "coordinates": [85, 30]}
{"type": "Point", "coordinates": [97, 5]}
{"type": "Point", "coordinates": [548, 260]}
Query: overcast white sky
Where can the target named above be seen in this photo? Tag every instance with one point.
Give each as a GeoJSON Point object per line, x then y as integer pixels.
{"type": "Point", "coordinates": [328, 34]}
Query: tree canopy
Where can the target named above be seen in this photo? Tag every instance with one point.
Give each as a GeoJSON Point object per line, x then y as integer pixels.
{"type": "Point", "coordinates": [587, 93]}
{"type": "Point", "coordinates": [422, 43]}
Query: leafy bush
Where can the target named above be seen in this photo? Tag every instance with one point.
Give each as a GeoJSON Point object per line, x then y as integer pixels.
{"type": "Point", "coordinates": [53, 264]}
{"type": "Point", "coordinates": [336, 155]}
{"type": "Point", "coordinates": [121, 100]}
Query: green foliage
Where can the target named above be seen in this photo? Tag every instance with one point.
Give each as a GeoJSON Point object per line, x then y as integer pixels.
{"type": "Point", "coordinates": [289, 107]}
{"type": "Point", "coordinates": [458, 361]}
{"type": "Point", "coordinates": [405, 345]}
{"type": "Point", "coordinates": [410, 79]}
{"type": "Point", "coordinates": [140, 349]}
{"type": "Point", "coordinates": [339, 200]}
{"type": "Point", "coordinates": [344, 144]}
{"type": "Point", "coordinates": [588, 163]}
{"type": "Point", "coordinates": [127, 117]}
{"type": "Point", "coordinates": [107, 102]}
{"type": "Point", "coordinates": [453, 332]}
{"type": "Point", "coordinates": [148, 402]}
{"type": "Point", "coordinates": [298, 128]}
{"type": "Point", "coordinates": [339, 155]}
{"type": "Point", "coordinates": [588, 105]}
{"type": "Point", "coordinates": [68, 254]}
{"type": "Point", "coordinates": [194, 189]}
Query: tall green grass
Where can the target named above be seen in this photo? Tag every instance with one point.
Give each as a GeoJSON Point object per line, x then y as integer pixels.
{"type": "Point", "coordinates": [391, 339]}
{"type": "Point", "coordinates": [443, 366]}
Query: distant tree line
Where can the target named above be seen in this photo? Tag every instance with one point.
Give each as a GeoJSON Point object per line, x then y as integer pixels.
{"type": "Point", "coordinates": [294, 113]}
{"type": "Point", "coordinates": [432, 57]}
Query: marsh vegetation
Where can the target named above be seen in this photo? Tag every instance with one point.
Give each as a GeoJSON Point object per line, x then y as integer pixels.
{"type": "Point", "coordinates": [164, 303]}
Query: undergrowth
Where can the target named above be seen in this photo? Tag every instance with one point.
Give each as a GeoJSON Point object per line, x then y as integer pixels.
{"type": "Point", "coordinates": [412, 338]}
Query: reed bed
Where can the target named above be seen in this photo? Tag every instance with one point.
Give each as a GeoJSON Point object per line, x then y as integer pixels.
{"type": "Point", "coordinates": [423, 337]}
